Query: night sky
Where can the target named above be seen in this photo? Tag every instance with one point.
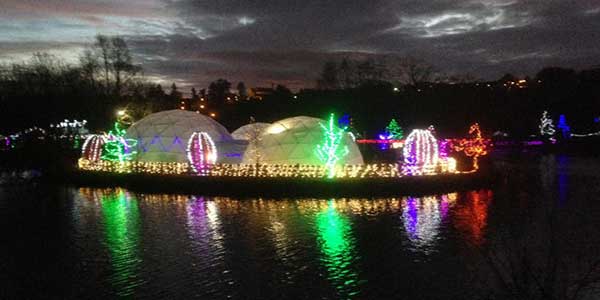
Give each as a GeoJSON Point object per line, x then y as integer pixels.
{"type": "Point", "coordinates": [286, 41]}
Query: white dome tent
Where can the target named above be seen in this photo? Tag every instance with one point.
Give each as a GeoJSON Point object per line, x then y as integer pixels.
{"type": "Point", "coordinates": [248, 131]}
{"type": "Point", "coordinates": [294, 141]}
{"type": "Point", "coordinates": [163, 136]}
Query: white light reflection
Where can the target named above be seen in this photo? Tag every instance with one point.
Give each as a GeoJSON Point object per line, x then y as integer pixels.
{"type": "Point", "coordinates": [422, 218]}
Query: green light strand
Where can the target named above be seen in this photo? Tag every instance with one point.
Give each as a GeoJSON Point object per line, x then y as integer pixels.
{"type": "Point", "coordinates": [118, 148]}
{"type": "Point", "coordinates": [330, 151]}
{"type": "Point", "coordinates": [394, 130]}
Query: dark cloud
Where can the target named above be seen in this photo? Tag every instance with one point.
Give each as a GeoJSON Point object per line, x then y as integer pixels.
{"type": "Point", "coordinates": [286, 41]}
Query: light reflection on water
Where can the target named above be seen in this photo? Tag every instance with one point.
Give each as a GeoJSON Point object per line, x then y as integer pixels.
{"type": "Point", "coordinates": [73, 243]}
{"type": "Point", "coordinates": [120, 219]}
{"type": "Point", "coordinates": [307, 237]}
{"type": "Point", "coordinates": [470, 216]}
{"type": "Point", "coordinates": [338, 247]}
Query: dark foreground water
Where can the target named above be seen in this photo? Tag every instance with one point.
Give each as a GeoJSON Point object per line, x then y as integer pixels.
{"type": "Point", "coordinates": [534, 233]}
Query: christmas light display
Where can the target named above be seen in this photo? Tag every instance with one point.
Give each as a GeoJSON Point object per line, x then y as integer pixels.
{"type": "Point", "coordinates": [394, 131]}
{"type": "Point", "coordinates": [420, 149]}
{"type": "Point", "coordinates": [443, 146]}
{"type": "Point", "coordinates": [474, 147]}
{"type": "Point", "coordinates": [330, 151]}
{"type": "Point", "coordinates": [344, 121]}
{"type": "Point", "coordinates": [92, 147]}
{"type": "Point", "coordinates": [564, 127]}
{"type": "Point", "coordinates": [117, 147]}
{"type": "Point", "coordinates": [201, 152]}
{"type": "Point", "coordinates": [431, 128]}
{"type": "Point", "coordinates": [381, 170]}
{"type": "Point", "coordinates": [546, 125]}
{"type": "Point", "coordinates": [378, 141]}
{"type": "Point", "coordinates": [586, 134]}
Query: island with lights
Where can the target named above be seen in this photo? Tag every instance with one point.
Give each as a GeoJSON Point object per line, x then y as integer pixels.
{"type": "Point", "coordinates": [186, 151]}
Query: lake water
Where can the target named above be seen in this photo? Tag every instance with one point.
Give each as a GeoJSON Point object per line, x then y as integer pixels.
{"type": "Point", "coordinates": [73, 242]}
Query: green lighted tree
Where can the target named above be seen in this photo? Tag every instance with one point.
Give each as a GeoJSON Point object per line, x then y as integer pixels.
{"type": "Point", "coordinates": [394, 131]}
{"type": "Point", "coordinates": [331, 150]}
{"type": "Point", "coordinates": [117, 147]}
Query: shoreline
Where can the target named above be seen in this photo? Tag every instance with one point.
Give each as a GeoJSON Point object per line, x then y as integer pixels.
{"type": "Point", "coordinates": [280, 187]}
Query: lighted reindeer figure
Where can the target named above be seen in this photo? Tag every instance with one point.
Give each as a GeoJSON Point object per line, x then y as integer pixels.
{"type": "Point", "coordinates": [473, 147]}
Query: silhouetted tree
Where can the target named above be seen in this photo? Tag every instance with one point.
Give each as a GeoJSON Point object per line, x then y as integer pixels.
{"type": "Point", "coordinates": [346, 74]}
{"type": "Point", "coordinates": [114, 56]}
{"type": "Point", "coordinates": [102, 49]}
{"type": "Point", "coordinates": [122, 65]}
{"type": "Point", "coordinates": [194, 94]}
{"type": "Point", "coordinates": [417, 71]}
{"type": "Point", "coordinates": [89, 66]}
{"type": "Point", "coordinates": [328, 79]}
{"type": "Point", "coordinates": [217, 91]}
{"type": "Point", "coordinates": [175, 96]}
{"type": "Point", "coordinates": [282, 92]}
{"type": "Point", "coordinates": [242, 91]}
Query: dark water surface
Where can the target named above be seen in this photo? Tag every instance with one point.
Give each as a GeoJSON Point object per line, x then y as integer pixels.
{"type": "Point", "coordinates": [67, 242]}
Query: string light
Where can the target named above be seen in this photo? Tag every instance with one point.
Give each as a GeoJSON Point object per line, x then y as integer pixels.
{"type": "Point", "coordinates": [421, 154]}
{"type": "Point", "coordinates": [546, 125]}
{"type": "Point", "coordinates": [378, 141]}
{"type": "Point", "coordinates": [92, 147]}
{"type": "Point", "coordinates": [201, 152]}
{"type": "Point", "coordinates": [382, 170]}
{"type": "Point", "coordinates": [473, 147]}
{"type": "Point", "coordinates": [117, 147]}
{"type": "Point", "coordinates": [393, 131]}
{"type": "Point", "coordinates": [420, 148]}
{"type": "Point", "coordinates": [330, 152]}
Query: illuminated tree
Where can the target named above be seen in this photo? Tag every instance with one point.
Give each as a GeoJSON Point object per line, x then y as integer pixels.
{"type": "Point", "coordinates": [474, 147]}
{"type": "Point", "coordinates": [117, 147]}
{"type": "Point", "coordinates": [546, 125]}
{"type": "Point", "coordinates": [331, 150]}
{"type": "Point", "coordinates": [394, 131]}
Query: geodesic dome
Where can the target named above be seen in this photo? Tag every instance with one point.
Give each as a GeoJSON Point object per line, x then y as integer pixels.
{"type": "Point", "coordinates": [163, 136]}
{"type": "Point", "coordinates": [247, 131]}
{"type": "Point", "coordinates": [294, 141]}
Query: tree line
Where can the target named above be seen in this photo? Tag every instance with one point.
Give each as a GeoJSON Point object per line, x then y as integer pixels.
{"type": "Point", "coordinates": [45, 89]}
{"type": "Point", "coordinates": [372, 91]}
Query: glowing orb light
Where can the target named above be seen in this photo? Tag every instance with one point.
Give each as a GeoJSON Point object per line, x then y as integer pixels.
{"type": "Point", "coordinates": [201, 151]}
{"type": "Point", "coordinates": [92, 147]}
{"type": "Point", "coordinates": [421, 148]}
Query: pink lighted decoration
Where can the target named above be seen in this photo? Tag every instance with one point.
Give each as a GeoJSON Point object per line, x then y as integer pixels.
{"type": "Point", "coordinates": [201, 151]}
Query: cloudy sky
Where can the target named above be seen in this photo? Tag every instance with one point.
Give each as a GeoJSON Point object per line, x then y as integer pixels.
{"type": "Point", "coordinates": [193, 42]}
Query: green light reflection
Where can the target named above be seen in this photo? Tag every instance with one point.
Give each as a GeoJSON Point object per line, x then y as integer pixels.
{"type": "Point", "coordinates": [121, 224]}
{"type": "Point", "coordinates": [338, 248]}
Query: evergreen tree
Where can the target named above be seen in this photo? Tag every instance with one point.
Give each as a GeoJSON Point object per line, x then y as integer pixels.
{"type": "Point", "coordinates": [394, 131]}
{"type": "Point", "coordinates": [329, 77]}
{"type": "Point", "coordinates": [242, 91]}
{"type": "Point", "coordinates": [175, 96]}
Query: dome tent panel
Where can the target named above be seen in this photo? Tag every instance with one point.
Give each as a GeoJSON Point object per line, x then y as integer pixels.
{"type": "Point", "coordinates": [249, 131]}
{"type": "Point", "coordinates": [294, 141]}
{"type": "Point", "coordinates": [163, 136]}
